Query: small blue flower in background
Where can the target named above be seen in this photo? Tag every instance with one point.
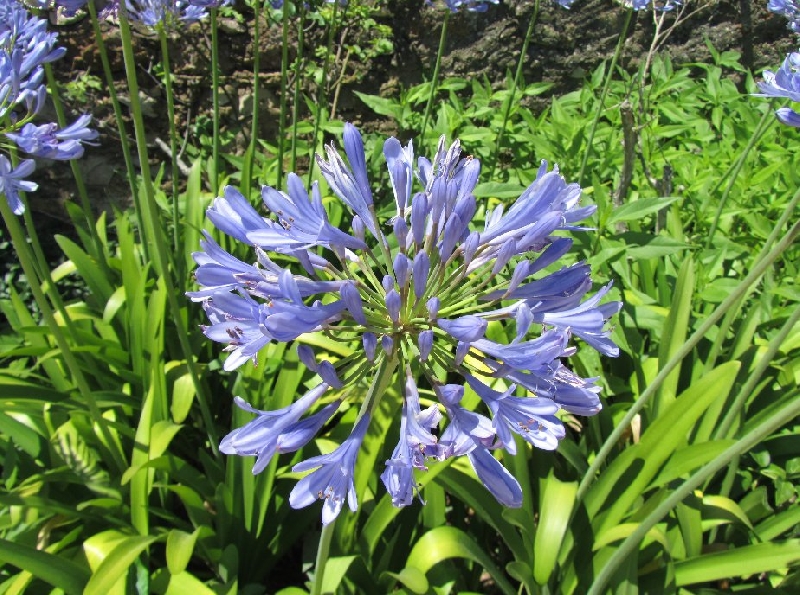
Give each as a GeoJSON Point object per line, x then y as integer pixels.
{"type": "Point", "coordinates": [50, 142]}
{"type": "Point", "coordinates": [165, 13]}
{"type": "Point", "coordinates": [422, 289]}
{"type": "Point", "coordinates": [663, 6]}
{"type": "Point", "coordinates": [788, 9]}
{"type": "Point", "coordinates": [784, 83]}
{"type": "Point", "coordinates": [469, 5]}
{"type": "Point", "coordinates": [25, 47]}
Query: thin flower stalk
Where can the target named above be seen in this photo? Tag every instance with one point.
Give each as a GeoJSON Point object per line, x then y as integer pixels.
{"type": "Point", "coordinates": [155, 233]}
{"type": "Point", "coordinates": [523, 56]}
{"type": "Point", "coordinates": [623, 34]}
{"type": "Point", "coordinates": [435, 77]}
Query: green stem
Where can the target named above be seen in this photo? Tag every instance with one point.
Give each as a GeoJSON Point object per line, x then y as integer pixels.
{"type": "Point", "coordinates": [514, 87]}
{"type": "Point", "coordinates": [759, 269]}
{"type": "Point", "coordinates": [435, 80]}
{"type": "Point", "coordinates": [323, 551]}
{"type": "Point", "coordinates": [163, 262]}
{"type": "Point", "coordinates": [284, 74]}
{"type": "Point", "coordinates": [43, 271]}
{"type": "Point", "coordinates": [381, 381]}
{"type": "Point", "coordinates": [29, 268]}
{"type": "Point", "coordinates": [322, 97]}
{"type": "Point", "coordinates": [767, 120]}
{"type": "Point", "coordinates": [173, 139]}
{"type": "Point", "coordinates": [215, 99]}
{"type": "Point", "coordinates": [729, 317]}
{"type": "Point", "coordinates": [737, 406]}
{"type": "Point", "coordinates": [86, 205]}
{"type": "Point", "coordinates": [247, 172]}
{"type": "Point", "coordinates": [298, 71]}
{"type": "Point", "coordinates": [609, 75]}
{"type": "Point", "coordinates": [631, 543]}
{"type": "Point", "coordinates": [118, 117]}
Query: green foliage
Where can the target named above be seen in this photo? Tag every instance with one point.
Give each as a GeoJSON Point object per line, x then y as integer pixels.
{"type": "Point", "coordinates": [686, 480]}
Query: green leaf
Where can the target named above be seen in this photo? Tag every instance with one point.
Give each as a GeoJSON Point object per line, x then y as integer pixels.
{"type": "Point", "coordinates": [653, 247]}
{"type": "Point", "coordinates": [23, 436]}
{"type": "Point", "coordinates": [161, 434]}
{"type": "Point", "coordinates": [180, 584]}
{"type": "Point", "coordinates": [115, 563]}
{"type": "Point", "coordinates": [557, 503]}
{"type": "Point", "coordinates": [630, 474]}
{"type": "Point", "coordinates": [741, 561]}
{"type": "Point", "coordinates": [89, 269]}
{"type": "Point", "coordinates": [183, 393]}
{"type": "Point", "coordinates": [689, 458]}
{"type": "Point", "coordinates": [640, 208]}
{"type": "Point", "coordinates": [777, 524]}
{"type": "Point", "coordinates": [498, 190]}
{"type": "Point", "coordinates": [55, 570]}
{"type": "Point", "coordinates": [335, 569]}
{"type": "Point", "coordinates": [446, 542]}
{"type": "Point", "coordinates": [412, 578]}
{"type": "Point", "coordinates": [180, 546]}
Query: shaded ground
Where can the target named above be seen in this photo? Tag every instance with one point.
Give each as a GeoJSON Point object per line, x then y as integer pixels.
{"type": "Point", "coordinates": [566, 47]}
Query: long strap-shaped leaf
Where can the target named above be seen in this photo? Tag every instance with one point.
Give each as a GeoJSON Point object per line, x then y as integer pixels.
{"type": "Point", "coordinates": [57, 571]}
{"type": "Point", "coordinates": [626, 549]}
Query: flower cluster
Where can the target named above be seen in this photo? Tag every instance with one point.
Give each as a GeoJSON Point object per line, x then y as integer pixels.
{"type": "Point", "coordinates": [25, 47]}
{"type": "Point", "coordinates": [788, 9]}
{"type": "Point", "coordinates": [639, 5]}
{"type": "Point", "coordinates": [784, 83]}
{"type": "Point", "coordinates": [469, 5]}
{"type": "Point", "coordinates": [423, 293]}
{"type": "Point", "coordinates": [168, 13]}
{"type": "Point", "coordinates": [279, 3]}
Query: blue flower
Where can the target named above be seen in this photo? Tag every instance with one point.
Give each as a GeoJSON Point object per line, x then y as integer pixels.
{"type": "Point", "coordinates": [25, 46]}
{"type": "Point", "coordinates": [12, 183]}
{"type": "Point", "coordinates": [416, 443]}
{"type": "Point", "coordinates": [332, 481]}
{"type": "Point", "coordinates": [788, 9]}
{"type": "Point", "coordinates": [278, 431]}
{"type": "Point", "coordinates": [470, 5]}
{"type": "Point", "coordinates": [421, 290]}
{"type": "Point", "coordinates": [164, 13]}
{"type": "Point", "coordinates": [784, 83]}
{"type": "Point", "coordinates": [50, 142]}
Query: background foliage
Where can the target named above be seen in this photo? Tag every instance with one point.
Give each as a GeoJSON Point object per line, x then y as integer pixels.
{"type": "Point", "coordinates": [686, 482]}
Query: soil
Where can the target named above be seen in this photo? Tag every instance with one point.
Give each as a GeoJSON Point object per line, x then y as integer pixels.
{"type": "Point", "coordinates": [566, 47]}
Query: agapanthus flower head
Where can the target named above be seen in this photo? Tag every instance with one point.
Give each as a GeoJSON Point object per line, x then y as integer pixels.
{"type": "Point", "coordinates": [469, 5]}
{"type": "Point", "coordinates": [784, 83]}
{"type": "Point", "coordinates": [25, 46]}
{"type": "Point", "coordinates": [789, 9]}
{"type": "Point", "coordinates": [164, 13]}
{"type": "Point", "coordinates": [657, 5]}
{"type": "Point", "coordinates": [279, 3]}
{"type": "Point", "coordinates": [418, 292]}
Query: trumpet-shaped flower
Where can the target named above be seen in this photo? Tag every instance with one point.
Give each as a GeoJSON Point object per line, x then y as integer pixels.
{"type": "Point", "coordinates": [332, 481]}
{"type": "Point", "coordinates": [50, 142]}
{"type": "Point", "coordinates": [11, 182]}
{"type": "Point", "coordinates": [784, 83]}
{"type": "Point", "coordinates": [419, 290]}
